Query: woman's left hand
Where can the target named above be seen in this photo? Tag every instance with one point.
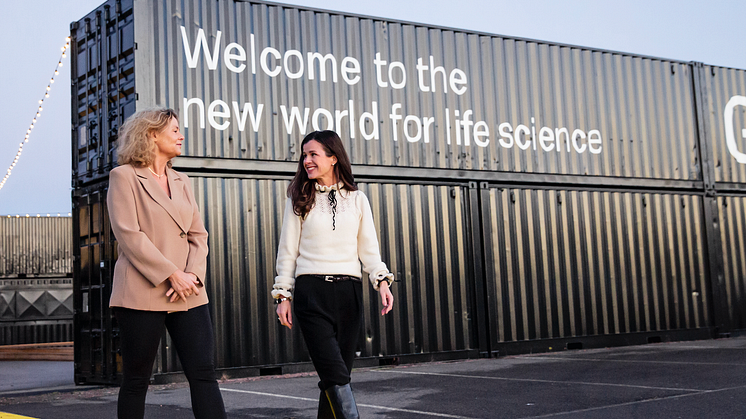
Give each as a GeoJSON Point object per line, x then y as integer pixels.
{"type": "Point", "coordinates": [182, 285]}
{"type": "Point", "coordinates": [387, 298]}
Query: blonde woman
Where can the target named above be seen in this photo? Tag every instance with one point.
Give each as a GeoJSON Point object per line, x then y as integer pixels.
{"type": "Point", "coordinates": [160, 273]}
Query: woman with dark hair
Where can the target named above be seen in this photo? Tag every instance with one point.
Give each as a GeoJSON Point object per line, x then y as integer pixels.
{"type": "Point", "coordinates": [160, 272]}
{"type": "Point", "coordinates": [327, 231]}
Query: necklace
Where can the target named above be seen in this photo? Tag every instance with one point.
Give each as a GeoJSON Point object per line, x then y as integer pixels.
{"type": "Point", "coordinates": [156, 174]}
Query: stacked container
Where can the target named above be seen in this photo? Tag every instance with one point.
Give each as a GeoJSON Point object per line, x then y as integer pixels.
{"type": "Point", "coordinates": [527, 195]}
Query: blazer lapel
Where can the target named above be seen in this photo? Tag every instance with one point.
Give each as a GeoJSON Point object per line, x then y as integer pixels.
{"type": "Point", "coordinates": [182, 206]}
{"type": "Point", "coordinates": [148, 182]}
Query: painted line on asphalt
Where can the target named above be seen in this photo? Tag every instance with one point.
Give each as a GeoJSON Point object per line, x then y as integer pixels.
{"type": "Point", "coordinates": [704, 347]}
{"type": "Point", "coordinates": [392, 409]}
{"type": "Point", "coordinates": [535, 380]}
{"type": "Point", "coordinates": [632, 361]}
{"type": "Point", "coordinates": [259, 393]}
{"type": "Point", "coordinates": [4, 415]}
{"type": "Point", "coordinates": [655, 399]}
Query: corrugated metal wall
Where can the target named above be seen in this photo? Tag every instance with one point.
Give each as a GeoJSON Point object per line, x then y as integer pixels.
{"type": "Point", "coordinates": [501, 239]}
{"type": "Point", "coordinates": [35, 246]}
{"type": "Point", "coordinates": [36, 291]}
{"type": "Point", "coordinates": [720, 85]}
{"type": "Point", "coordinates": [732, 215]}
{"type": "Point", "coordinates": [582, 263]}
{"type": "Point", "coordinates": [723, 93]}
{"type": "Point", "coordinates": [424, 236]}
{"type": "Point", "coordinates": [642, 107]}
{"type": "Point", "coordinates": [43, 331]}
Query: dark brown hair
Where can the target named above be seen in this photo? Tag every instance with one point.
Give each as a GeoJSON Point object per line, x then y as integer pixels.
{"type": "Point", "coordinates": [302, 190]}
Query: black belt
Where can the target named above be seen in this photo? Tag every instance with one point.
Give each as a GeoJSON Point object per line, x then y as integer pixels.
{"type": "Point", "coordinates": [332, 278]}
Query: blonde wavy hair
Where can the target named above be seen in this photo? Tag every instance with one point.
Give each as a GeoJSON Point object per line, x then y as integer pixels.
{"type": "Point", "coordinates": [135, 146]}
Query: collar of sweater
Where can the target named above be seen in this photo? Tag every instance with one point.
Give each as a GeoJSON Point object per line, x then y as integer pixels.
{"type": "Point", "coordinates": [324, 188]}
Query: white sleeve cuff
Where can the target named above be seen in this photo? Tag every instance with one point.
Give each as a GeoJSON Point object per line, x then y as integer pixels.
{"type": "Point", "coordinates": [283, 287]}
{"type": "Point", "coordinates": [381, 276]}
{"type": "Point", "coordinates": [278, 292]}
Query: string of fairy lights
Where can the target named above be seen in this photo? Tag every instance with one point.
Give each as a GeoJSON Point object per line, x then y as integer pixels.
{"type": "Point", "coordinates": [38, 112]}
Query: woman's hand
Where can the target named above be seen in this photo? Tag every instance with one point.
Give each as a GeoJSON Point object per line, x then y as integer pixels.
{"type": "Point", "coordinates": [182, 285]}
{"type": "Point", "coordinates": [284, 314]}
{"type": "Point", "coordinates": [387, 298]}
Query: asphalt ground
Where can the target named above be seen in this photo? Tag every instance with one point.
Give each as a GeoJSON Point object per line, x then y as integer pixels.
{"type": "Point", "coordinates": [701, 379]}
{"type": "Point", "coordinates": [32, 377]}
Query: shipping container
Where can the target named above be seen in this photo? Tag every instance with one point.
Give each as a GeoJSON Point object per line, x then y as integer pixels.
{"type": "Point", "coordinates": [528, 195]}
{"type": "Point", "coordinates": [36, 290]}
{"type": "Point", "coordinates": [95, 330]}
{"type": "Point", "coordinates": [35, 246]}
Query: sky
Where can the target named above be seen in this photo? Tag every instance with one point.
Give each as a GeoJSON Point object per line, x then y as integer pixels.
{"type": "Point", "coordinates": [711, 32]}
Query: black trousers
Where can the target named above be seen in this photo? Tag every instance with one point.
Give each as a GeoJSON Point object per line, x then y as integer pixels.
{"type": "Point", "coordinates": [192, 335]}
{"type": "Point", "coordinates": [330, 315]}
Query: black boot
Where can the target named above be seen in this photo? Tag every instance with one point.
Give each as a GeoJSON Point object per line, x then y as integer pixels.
{"type": "Point", "coordinates": [342, 402]}
{"type": "Point", "coordinates": [325, 409]}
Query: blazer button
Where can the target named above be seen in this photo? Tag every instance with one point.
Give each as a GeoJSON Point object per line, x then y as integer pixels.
{"type": "Point", "coordinates": [182, 235]}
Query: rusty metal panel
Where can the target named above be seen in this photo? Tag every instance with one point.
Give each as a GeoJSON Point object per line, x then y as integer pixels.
{"type": "Point", "coordinates": [580, 263]}
{"type": "Point", "coordinates": [724, 94]}
{"type": "Point", "coordinates": [428, 253]}
{"type": "Point", "coordinates": [35, 246]}
{"type": "Point", "coordinates": [537, 107]}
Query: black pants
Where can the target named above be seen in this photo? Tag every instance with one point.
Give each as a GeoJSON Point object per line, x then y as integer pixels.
{"type": "Point", "coordinates": [191, 333]}
{"type": "Point", "coordinates": [330, 315]}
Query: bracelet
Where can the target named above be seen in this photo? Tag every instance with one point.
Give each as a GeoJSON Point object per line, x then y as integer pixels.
{"type": "Point", "coordinates": [279, 300]}
{"type": "Point", "coordinates": [387, 280]}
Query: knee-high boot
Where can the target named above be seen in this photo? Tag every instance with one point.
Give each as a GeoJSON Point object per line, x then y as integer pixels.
{"type": "Point", "coordinates": [325, 409]}
{"type": "Point", "coordinates": [342, 402]}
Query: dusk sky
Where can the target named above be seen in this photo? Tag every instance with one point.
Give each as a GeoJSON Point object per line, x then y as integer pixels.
{"type": "Point", "coordinates": [710, 32]}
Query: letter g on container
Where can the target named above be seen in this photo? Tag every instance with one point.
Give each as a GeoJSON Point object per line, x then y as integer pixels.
{"type": "Point", "coordinates": [730, 137]}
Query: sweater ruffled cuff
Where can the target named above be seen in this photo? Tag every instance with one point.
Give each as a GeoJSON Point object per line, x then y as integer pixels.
{"type": "Point", "coordinates": [283, 287]}
{"type": "Point", "coordinates": [381, 276]}
{"type": "Point", "coordinates": [279, 292]}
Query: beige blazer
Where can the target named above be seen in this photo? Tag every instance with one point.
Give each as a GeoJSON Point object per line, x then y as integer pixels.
{"type": "Point", "coordinates": [156, 236]}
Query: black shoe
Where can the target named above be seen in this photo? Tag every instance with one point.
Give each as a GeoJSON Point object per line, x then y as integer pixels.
{"type": "Point", "coordinates": [342, 402]}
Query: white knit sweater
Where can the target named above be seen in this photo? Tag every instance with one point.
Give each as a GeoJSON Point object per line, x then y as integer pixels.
{"type": "Point", "coordinates": [319, 245]}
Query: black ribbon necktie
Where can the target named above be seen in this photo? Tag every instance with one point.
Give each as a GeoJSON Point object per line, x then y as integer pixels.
{"type": "Point", "coordinates": [333, 204]}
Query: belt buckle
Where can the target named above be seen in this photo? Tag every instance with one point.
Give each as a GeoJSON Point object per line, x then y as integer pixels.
{"type": "Point", "coordinates": [329, 278]}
